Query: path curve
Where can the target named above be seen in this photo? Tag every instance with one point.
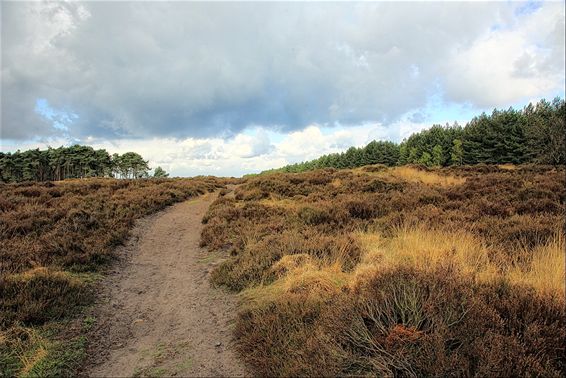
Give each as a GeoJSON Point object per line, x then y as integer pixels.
{"type": "Point", "coordinates": [158, 314]}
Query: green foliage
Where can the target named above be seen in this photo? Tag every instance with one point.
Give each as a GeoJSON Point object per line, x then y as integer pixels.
{"type": "Point", "coordinates": [426, 159]}
{"type": "Point", "coordinates": [544, 130]}
{"type": "Point", "coordinates": [436, 142]}
{"type": "Point", "coordinates": [160, 173]}
{"type": "Point", "coordinates": [457, 152]}
{"type": "Point", "coordinates": [130, 165]}
{"type": "Point", "coordinates": [437, 156]}
{"type": "Point", "coordinates": [376, 152]}
{"type": "Point", "coordinates": [61, 163]}
{"type": "Point", "coordinates": [62, 360]}
{"type": "Point", "coordinates": [495, 139]}
{"type": "Point", "coordinates": [536, 134]}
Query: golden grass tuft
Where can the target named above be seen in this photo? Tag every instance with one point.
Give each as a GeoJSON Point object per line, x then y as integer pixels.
{"type": "Point", "coordinates": [308, 278]}
{"type": "Point", "coordinates": [41, 272]}
{"type": "Point", "coordinates": [429, 178]}
{"type": "Point", "coordinates": [425, 249]}
{"type": "Point", "coordinates": [337, 183]}
{"type": "Point", "coordinates": [27, 349]}
{"type": "Point", "coordinates": [508, 167]}
{"type": "Point", "coordinates": [291, 262]}
{"type": "Point", "coordinates": [299, 276]}
{"type": "Point", "coordinates": [545, 271]}
{"type": "Point", "coordinates": [285, 203]}
{"type": "Point", "coordinates": [29, 362]}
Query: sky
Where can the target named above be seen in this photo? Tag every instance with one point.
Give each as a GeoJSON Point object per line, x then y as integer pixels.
{"type": "Point", "coordinates": [228, 88]}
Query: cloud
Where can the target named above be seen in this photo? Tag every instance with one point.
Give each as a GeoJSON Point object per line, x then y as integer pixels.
{"type": "Point", "coordinates": [248, 146]}
{"type": "Point", "coordinates": [181, 70]}
{"type": "Point", "coordinates": [249, 152]}
{"type": "Point", "coordinates": [511, 64]}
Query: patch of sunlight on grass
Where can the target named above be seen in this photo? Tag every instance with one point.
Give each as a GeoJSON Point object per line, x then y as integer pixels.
{"type": "Point", "coordinates": [285, 203]}
{"type": "Point", "coordinates": [424, 248]}
{"type": "Point", "coordinates": [43, 272]}
{"type": "Point", "coordinates": [29, 362]}
{"type": "Point", "coordinates": [28, 347]}
{"type": "Point", "coordinates": [508, 167]}
{"type": "Point", "coordinates": [304, 278]}
{"type": "Point", "coordinates": [546, 269]}
{"type": "Point", "coordinates": [337, 183]}
{"type": "Point", "coordinates": [430, 178]}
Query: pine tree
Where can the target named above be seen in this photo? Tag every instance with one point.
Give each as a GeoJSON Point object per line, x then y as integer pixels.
{"type": "Point", "coordinates": [437, 156]}
{"type": "Point", "coordinates": [457, 152]}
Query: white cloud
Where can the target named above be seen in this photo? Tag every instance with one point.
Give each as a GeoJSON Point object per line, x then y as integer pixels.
{"type": "Point", "coordinates": [249, 146]}
{"type": "Point", "coordinates": [203, 70]}
{"type": "Point", "coordinates": [248, 152]}
{"type": "Point", "coordinates": [513, 64]}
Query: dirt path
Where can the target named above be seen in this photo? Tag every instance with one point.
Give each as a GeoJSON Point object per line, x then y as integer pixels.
{"type": "Point", "coordinates": [159, 315]}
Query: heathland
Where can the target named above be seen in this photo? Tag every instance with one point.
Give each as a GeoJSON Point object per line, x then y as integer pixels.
{"type": "Point", "coordinates": [55, 240]}
{"type": "Point", "coordinates": [404, 271]}
{"type": "Point", "coordinates": [376, 270]}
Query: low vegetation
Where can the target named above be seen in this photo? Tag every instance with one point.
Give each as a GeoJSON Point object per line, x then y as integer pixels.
{"type": "Point", "coordinates": [397, 271]}
{"type": "Point", "coordinates": [55, 239]}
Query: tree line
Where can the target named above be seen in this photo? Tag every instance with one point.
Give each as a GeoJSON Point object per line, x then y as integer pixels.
{"type": "Point", "coordinates": [534, 134]}
{"type": "Point", "coordinates": [72, 162]}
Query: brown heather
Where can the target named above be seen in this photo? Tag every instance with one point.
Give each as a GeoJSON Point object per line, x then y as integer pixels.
{"type": "Point", "coordinates": [404, 271]}
{"type": "Point", "coordinates": [54, 238]}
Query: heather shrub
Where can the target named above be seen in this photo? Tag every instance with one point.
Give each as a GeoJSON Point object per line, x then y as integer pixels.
{"type": "Point", "coordinates": [254, 263]}
{"type": "Point", "coordinates": [374, 168]}
{"type": "Point", "coordinates": [407, 271]}
{"type": "Point", "coordinates": [49, 232]}
{"type": "Point", "coordinates": [381, 186]}
{"type": "Point", "coordinates": [403, 322]}
{"type": "Point", "coordinates": [360, 207]}
{"type": "Point", "coordinates": [38, 296]}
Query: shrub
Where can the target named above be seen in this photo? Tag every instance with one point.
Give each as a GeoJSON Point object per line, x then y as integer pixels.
{"type": "Point", "coordinates": [69, 226]}
{"type": "Point", "coordinates": [38, 296]}
{"type": "Point", "coordinates": [403, 322]}
{"type": "Point", "coordinates": [408, 271]}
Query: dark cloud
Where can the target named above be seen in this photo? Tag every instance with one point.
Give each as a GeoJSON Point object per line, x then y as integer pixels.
{"type": "Point", "coordinates": [185, 69]}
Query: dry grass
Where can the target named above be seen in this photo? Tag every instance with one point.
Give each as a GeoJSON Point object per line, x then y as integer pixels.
{"type": "Point", "coordinates": [52, 236]}
{"type": "Point", "coordinates": [285, 203]}
{"type": "Point", "coordinates": [311, 281]}
{"type": "Point", "coordinates": [425, 177]}
{"type": "Point", "coordinates": [29, 362]}
{"type": "Point", "coordinates": [22, 347]}
{"type": "Point", "coordinates": [414, 174]}
{"type": "Point", "coordinates": [403, 271]}
{"type": "Point", "coordinates": [508, 167]}
{"type": "Point", "coordinates": [544, 269]}
{"type": "Point", "coordinates": [423, 248]}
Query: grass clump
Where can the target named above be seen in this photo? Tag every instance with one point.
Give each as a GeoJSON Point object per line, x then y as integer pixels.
{"type": "Point", "coordinates": [427, 177]}
{"type": "Point", "coordinates": [542, 267]}
{"type": "Point", "coordinates": [39, 352]}
{"type": "Point", "coordinates": [40, 295]}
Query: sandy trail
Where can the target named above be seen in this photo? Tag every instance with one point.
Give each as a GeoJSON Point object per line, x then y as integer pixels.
{"type": "Point", "coordinates": [158, 314]}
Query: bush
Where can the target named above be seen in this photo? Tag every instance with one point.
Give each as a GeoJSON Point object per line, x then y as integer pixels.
{"type": "Point", "coordinates": [319, 302]}
{"type": "Point", "coordinates": [405, 322]}
{"type": "Point", "coordinates": [38, 296]}
{"type": "Point", "coordinates": [70, 226]}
